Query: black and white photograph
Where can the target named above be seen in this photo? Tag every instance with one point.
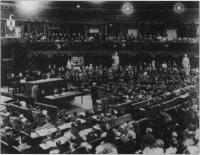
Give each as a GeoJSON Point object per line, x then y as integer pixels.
{"type": "Point", "coordinates": [99, 77]}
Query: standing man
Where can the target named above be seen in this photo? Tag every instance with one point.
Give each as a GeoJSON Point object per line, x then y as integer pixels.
{"type": "Point", "coordinates": [69, 65]}
{"type": "Point", "coordinates": [94, 96]}
{"type": "Point", "coordinates": [186, 64]}
{"type": "Point", "coordinates": [34, 92]}
{"type": "Point", "coordinates": [115, 58]}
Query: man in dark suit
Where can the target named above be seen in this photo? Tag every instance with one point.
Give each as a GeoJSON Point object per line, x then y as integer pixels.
{"type": "Point", "coordinates": [94, 96]}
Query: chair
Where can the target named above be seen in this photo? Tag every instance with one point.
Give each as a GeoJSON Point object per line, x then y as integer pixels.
{"type": "Point", "coordinates": [12, 86]}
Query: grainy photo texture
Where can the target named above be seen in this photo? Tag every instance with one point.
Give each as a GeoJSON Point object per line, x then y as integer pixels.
{"type": "Point", "coordinates": [99, 77]}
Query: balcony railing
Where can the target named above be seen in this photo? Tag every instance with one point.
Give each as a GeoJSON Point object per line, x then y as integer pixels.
{"type": "Point", "coordinates": [113, 45]}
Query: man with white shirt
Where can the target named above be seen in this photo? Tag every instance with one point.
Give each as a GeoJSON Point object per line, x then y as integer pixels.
{"type": "Point", "coordinates": [69, 65]}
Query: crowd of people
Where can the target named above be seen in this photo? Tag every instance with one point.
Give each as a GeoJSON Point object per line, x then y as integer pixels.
{"type": "Point", "coordinates": [88, 73]}
{"type": "Point", "coordinates": [61, 41]}
{"type": "Point", "coordinates": [165, 132]}
{"type": "Point", "coordinates": [78, 37]}
{"type": "Point", "coordinates": [169, 132]}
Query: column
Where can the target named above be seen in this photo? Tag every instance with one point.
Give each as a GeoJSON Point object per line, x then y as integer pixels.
{"type": "Point", "coordinates": [44, 27]}
{"type": "Point", "coordinates": [106, 29]}
{"type": "Point", "coordinates": [121, 28]}
{"type": "Point", "coordinates": [36, 27]}
{"type": "Point", "coordinates": [29, 28]}
{"type": "Point", "coordinates": [86, 28]}
{"type": "Point", "coordinates": [66, 28]}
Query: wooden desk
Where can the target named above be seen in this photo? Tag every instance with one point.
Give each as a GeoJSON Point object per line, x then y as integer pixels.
{"type": "Point", "coordinates": [59, 99]}
{"type": "Point", "coordinates": [42, 81]}
{"type": "Point", "coordinates": [47, 84]}
{"type": "Point", "coordinates": [23, 110]}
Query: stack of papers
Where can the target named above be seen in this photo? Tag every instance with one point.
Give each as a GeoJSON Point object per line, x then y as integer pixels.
{"type": "Point", "coordinates": [65, 126]}
{"type": "Point", "coordinates": [44, 146]}
{"type": "Point", "coordinates": [97, 127]}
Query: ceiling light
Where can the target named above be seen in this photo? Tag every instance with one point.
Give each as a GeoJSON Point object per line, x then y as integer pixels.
{"type": "Point", "coordinates": [179, 8]}
{"type": "Point", "coordinates": [127, 8]}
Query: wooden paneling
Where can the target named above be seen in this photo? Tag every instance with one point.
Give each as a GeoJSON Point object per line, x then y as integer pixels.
{"type": "Point", "coordinates": [6, 67]}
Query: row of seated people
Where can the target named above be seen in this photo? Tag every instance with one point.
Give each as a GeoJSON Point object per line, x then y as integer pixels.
{"type": "Point", "coordinates": [174, 131]}
{"type": "Point", "coordinates": [123, 37]}
{"type": "Point", "coordinates": [157, 73]}
{"type": "Point", "coordinates": [62, 41]}
{"type": "Point", "coordinates": [117, 45]}
{"type": "Point", "coordinates": [166, 83]}
{"type": "Point", "coordinates": [144, 88]}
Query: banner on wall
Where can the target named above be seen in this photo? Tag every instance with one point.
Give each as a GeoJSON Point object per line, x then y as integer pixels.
{"type": "Point", "coordinates": [93, 30]}
{"type": "Point", "coordinates": [171, 34]}
{"type": "Point", "coordinates": [77, 61]}
{"type": "Point", "coordinates": [133, 31]}
{"type": "Point", "coordinates": [11, 31]}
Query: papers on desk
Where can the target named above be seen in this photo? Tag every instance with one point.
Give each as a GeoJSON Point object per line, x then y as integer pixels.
{"type": "Point", "coordinates": [45, 80]}
{"type": "Point", "coordinates": [184, 96]}
{"type": "Point", "coordinates": [44, 132]}
{"type": "Point", "coordinates": [85, 132]}
{"type": "Point", "coordinates": [34, 135]}
{"type": "Point", "coordinates": [97, 127]}
{"type": "Point", "coordinates": [50, 96]}
{"type": "Point", "coordinates": [94, 117]}
{"type": "Point", "coordinates": [51, 143]}
{"type": "Point", "coordinates": [177, 91]}
{"type": "Point", "coordinates": [5, 114]}
{"type": "Point", "coordinates": [68, 135]}
{"type": "Point", "coordinates": [64, 93]}
{"type": "Point", "coordinates": [99, 101]}
{"type": "Point", "coordinates": [24, 146]}
{"type": "Point", "coordinates": [52, 130]}
{"type": "Point", "coordinates": [65, 126]}
{"type": "Point", "coordinates": [47, 145]}
{"type": "Point", "coordinates": [82, 120]}
{"type": "Point", "coordinates": [44, 146]}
